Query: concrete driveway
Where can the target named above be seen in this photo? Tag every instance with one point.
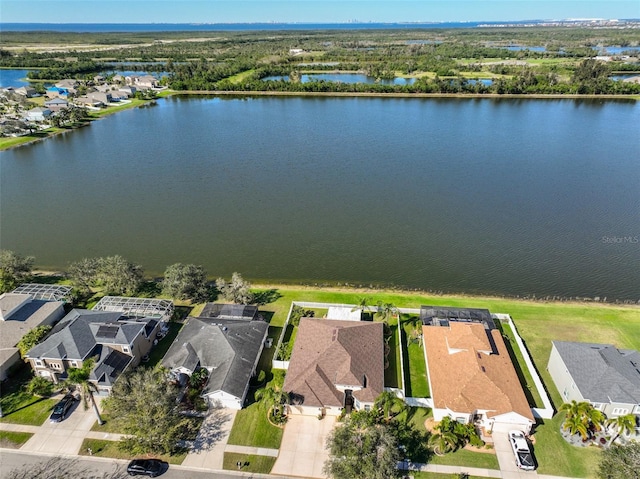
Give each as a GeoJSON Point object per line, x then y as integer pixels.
{"type": "Point", "coordinates": [207, 450]}
{"type": "Point", "coordinates": [302, 451]}
{"type": "Point", "coordinates": [63, 437]}
{"type": "Point", "coordinates": [507, 460]}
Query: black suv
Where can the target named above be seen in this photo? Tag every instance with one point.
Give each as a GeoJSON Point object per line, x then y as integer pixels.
{"type": "Point", "coordinates": [61, 409]}
{"type": "Point", "coordinates": [145, 467]}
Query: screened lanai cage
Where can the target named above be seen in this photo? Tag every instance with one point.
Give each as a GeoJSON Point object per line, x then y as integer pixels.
{"type": "Point", "coordinates": [137, 307]}
{"type": "Point", "coordinates": [45, 292]}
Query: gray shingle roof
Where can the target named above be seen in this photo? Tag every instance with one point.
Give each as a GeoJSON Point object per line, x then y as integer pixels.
{"type": "Point", "coordinates": [72, 337]}
{"type": "Point", "coordinates": [109, 366]}
{"type": "Point", "coordinates": [229, 348]}
{"type": "Point", "coordinates": [602, 372]}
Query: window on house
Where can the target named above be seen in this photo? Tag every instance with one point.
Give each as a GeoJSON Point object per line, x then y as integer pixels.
{"type": "Point", "coordinates": [367, 407]}
{"type": "Point", "coordinates": [620, 411]}
{"type": "Point", "coordinates": [38, 362]}
{"type": "Point", "coordinates": [55, 366]}
{"type": "Point", "coordinates": [125, 349]}
{"type": "Point", "coordinates": [74, 364]}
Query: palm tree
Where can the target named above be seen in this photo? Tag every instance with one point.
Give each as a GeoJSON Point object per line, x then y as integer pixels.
{"type": "Point", "coordinates": [575, 425]}
{"type": "Point", "coordinates": [443, 442]}
{"type": "Point", "coordinates": [80, 377]}
{"type": "Point", "coordinates": [387, 401]}
{"type": "Point", "coordinates": [362, 304]}
{"type": "Point", "coordinates": [622, 424]}
{"type": "Point", "coordinates": [385, 311]}
{"type": "Point", "coordinates": [595, 417]}
{"type": "Point", "coordinates": [272, 396]}
{"type": "Point", "coordinates": [583, 412]}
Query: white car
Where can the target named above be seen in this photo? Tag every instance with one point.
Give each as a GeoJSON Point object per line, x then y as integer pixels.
{"type": "Point", "coordinates": [520, 446]}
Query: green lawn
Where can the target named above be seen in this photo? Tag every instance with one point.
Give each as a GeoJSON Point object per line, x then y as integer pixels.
{"type": "Point", "coordinates": [159, 350]}
{"type": "Point", "coordinates": [526, 380]}
{"type": "Point", "coordinates": [250, 463]}
{"type": "Point", "coordinates": [436, 475]}
{"type": "Point", "coordinates": [240, 77]}
{"type": "Point", "coordinates": [538, 323]}
{"type": "Point", "coordinates": [102, 448]}
{"type": "Point", "coordinates": [13, 440]}
{"type": "Point", "coordinates": [251, 428]}
{"type": "Point", "coordinates": [462, 457]}
{"type": "Point", "coordinates": [20, 407]}
{"type": "Point", "coordinates": [555, 456]}
{"type": "Point", "coordinates": [415, 368]}
{"type": "Point", "coordinates": [393, 374]}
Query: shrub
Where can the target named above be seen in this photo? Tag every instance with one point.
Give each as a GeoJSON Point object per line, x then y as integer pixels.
{"type": "Point", "coordinates": [39, 386]}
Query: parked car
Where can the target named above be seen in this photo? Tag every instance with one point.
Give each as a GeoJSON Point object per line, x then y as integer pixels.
{"type": "Point", "coordinates": [145, 467]}
{"type": "Point", "coordinates": [520, 446]}
{"type": "Point", "coordinates": [61, 409]}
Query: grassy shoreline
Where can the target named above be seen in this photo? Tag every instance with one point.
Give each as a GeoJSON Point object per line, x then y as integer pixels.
{"type": "Point", "coordinates": [12, 142]}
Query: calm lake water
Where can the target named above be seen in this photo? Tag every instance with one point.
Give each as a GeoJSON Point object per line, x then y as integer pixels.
{"type": "Point", "coordinates": [511, 197]}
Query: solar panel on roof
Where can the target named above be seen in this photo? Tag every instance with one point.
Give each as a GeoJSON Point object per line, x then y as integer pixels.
{"type": "Point", "coordinates": [109, 332]}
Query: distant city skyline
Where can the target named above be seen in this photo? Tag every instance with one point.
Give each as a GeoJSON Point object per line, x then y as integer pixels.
{"type": "Point", "coordinates": [307, 11]}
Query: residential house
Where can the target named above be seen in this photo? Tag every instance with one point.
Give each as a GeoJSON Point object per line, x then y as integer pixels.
{"type": "Point", "coordinates": [601, 374]}
{"type": "Point", "coordinates": [117, 78]}
{"type": "Point", "coordinates": [68, 84]}
{"type": "Point", "coordinates": [56, 92]}
{"type": "Point", "coordinates": [113, 340]}
{"type": "Point", "coordinates": [103, 98]}
{"type": "Point", "coordinates": [128, 90]}
{"type": "Point", "coordinates": [142, 81]}
{"type": "Point", "coordinates": [38, 114]}
{"type": "Point", "coordinates": [27, 91]}
{"type": "Point", "coordinates": [86, 100]}
{"type": "Point", "coordinates": [56, 104]}
{"type": "Point", "coordinates": [335, 365]}
{"type": "Point", "coordinates": [470, 373]}
{"type": "Point", "coordinates": [228, 348]}
{"type": "Point", "coordinates": [19, 314]}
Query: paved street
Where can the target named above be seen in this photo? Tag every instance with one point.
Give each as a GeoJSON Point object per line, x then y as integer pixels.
{"type": "Point", "coordinates": [96, 466]}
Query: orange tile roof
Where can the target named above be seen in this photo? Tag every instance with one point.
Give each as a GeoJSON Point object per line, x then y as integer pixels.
{"type": "Point", "coordinates": [329, 353]}
{"type": "Point", "coordinates": [469, 379]}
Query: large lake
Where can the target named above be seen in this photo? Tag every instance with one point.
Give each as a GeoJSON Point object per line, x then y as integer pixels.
{"type": "Point", "coordinates": [515, 197]}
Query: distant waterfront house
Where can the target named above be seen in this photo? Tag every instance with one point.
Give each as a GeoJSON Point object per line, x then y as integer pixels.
{"type": "Point", "coordinates": [471, 376]}
{"type": "Point", "coordinates": [115, 341]}
{"type": "Point", "coordinates": [228, 348]}
{"type": "Point", "coordinates": [56, 92]}
{"type": "Point", "coordinates": [19, 314]}
{"type": "Point", "coordinates": [128, 90]}
{"type": "Point", "coordinates": [56, 104]}
{"type": "Point", "coordinates": [68, 84]}
{"type": "Point", "coordinates": [86, 100]}
{"type": "Point", "coordinates": [142, 81]}
{"type": "Point", "coordinates": [601, 374]}
{"type": "Point", "coordinates": [334, 365]}
{"type": "Point", "coordinates": [38, 114]}
{"type": "Point", "coordinates": [26, 91]}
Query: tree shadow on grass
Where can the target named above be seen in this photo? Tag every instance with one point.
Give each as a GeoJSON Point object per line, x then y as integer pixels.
{"type": "Point", "coordinates": [265, 297]}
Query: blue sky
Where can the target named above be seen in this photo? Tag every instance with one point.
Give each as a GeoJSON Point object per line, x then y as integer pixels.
{"type": "Point", "coordinates": [312, 11]}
